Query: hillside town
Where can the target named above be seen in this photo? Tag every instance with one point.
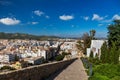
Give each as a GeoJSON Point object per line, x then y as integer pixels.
{"type": "Point", "coordinates": [18, 53]}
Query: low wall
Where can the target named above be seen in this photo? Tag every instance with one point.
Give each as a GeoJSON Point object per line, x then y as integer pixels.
{"type": "Point", "coordinates": [38, 72]}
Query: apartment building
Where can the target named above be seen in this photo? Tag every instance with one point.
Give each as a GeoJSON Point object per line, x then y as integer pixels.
{"type": "Point", "coordinates": [6, 58]}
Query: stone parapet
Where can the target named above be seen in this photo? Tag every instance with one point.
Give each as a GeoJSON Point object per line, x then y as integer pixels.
{"type": "Point", "coordinates": [38, 72]}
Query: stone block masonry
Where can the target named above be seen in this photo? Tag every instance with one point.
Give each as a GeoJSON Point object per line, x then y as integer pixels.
{"type": "Point", "coordinates": [38, 72]}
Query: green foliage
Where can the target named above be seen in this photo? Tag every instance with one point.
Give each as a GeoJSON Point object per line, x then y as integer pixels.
{"type": "Point", "coordinates": [59, 57]}
{"type": "Point", "coordinates": [16, 57]}
{"type": "Point", "coordinates": [114, 33]}
{"type": "Point", "coordinates": [104, 53]}
{"type": "Point", "coordinates": [114, 41]}
{"type": "Point", "coordinates": [91, 54]}
{"type": "Point", "coordinates": [80, 45]}
{"type": "Point", "coordinates": [98, 76]}
{"type": "Point", "coordinates": [108, 70]}
{"type": "Point", "coordinates": [110, 55]}
{"type": "Point", "coordinates": [114, 54]}
{"type": "Point", "coordinates": [116, 78]}
{"type": "Point", "coordinates": [65, 53]}
{"type": "Point", "coordinates": [92, 34]}
{"type": "Point", "coordinates": [7, 68]}
{"type": "Point", "coordinates": [95, 61]}
{"type": "Point", "coordinates": [97, 57]}
{"type": "Point", "coordinates": [85, 43]}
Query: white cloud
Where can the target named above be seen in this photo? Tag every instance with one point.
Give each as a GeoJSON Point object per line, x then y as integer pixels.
{"type": "Point", "coordinates": [9, 21]}
{"type": "Point", "coordinates": [66, 17]}
{"type": "Point", "coordinates": [116, 17]}
{"type": "Point", "coordinates": [86, 18]}
{"type": "Point", "coordinates": [38, 12]}
{"type": "Point", "coordinates": [34, 22]}
{"type": "Point", "coordinates": [100, 24]}
{"type": "Point", "coordinates": [97, 17]}
{"type": "Point", "coordinates": [107, 20]}
{"type": "Point", "coordinates": [41, 13]}
{"type": "Point", "coordinates": [47, 17]}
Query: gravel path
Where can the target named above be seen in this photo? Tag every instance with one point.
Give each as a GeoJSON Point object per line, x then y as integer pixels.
{"type": "Point", "coordinates": [74, 71]}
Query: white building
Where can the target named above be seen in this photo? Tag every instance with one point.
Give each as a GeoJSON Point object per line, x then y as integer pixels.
{"type": "Point", "coordinates": [6, 58]}
{"type": "Point", "coordinates": [95, 47]}
{"type": "Point", "coordinates": [68, 45]}
{"type": "Point", "coordinates": [34, 60]}
{"type": "Point", "coordinates": [45, 53]}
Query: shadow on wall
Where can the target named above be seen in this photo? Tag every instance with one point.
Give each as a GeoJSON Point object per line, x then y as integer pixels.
{"type": "Point", "coordinates": [40, 72]}
{"type": "Point", "coordinates": [56, 73]}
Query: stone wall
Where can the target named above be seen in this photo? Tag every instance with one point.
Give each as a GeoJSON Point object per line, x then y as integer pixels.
{"type": "Point", "coordinates": [38, 72]}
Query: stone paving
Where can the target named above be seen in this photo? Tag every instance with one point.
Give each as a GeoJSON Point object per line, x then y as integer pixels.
{"type": "Point", "coordinates": [74, 71]}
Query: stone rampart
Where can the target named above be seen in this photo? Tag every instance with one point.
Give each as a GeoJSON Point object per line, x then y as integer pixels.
{"type": "Point", "coordinates": [38, 72]}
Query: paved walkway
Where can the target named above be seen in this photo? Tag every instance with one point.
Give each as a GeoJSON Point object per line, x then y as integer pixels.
{"type": "Point", "coordinates": [74, 71]}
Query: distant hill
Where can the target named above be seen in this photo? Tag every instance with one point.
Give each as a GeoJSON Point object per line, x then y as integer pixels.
{"type": "Point", "coordinates": [24, 36]}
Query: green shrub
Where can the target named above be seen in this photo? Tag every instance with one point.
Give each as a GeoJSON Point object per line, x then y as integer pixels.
{"type": "Point", "coordinates": [108, 70]}
{"type": "Point", "coordinates": [98, 76]}
{"type": "Point", "coordinates": [65, 53]}
{"type": "Point", "coordinates": [91, 54]}
{"type": "Point", "coordinates": [95, 61]}
{"type": "Point", "coordinates": [59, 57]}
{"type": "Point", "coordinates": [116, 78]}
{"type": "Point", "coordinates": [7, 67]}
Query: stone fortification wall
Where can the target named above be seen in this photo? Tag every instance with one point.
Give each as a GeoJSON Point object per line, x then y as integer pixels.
{"type": "Point", "coordinates": [38, 72]}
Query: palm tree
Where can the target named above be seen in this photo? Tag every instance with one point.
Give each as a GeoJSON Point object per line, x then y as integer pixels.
{"type": "Point", "coordinates": [92, 34]}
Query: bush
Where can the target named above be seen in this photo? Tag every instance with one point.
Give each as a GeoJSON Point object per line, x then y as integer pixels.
{"type": "Point", "coordinates": [109, 70]}
{"type": "Point", "coordinates": [116, 78]}
{"type": "Point", "coordinates": [59, 57]}
{"type": "Point", "coordinates": [106, 72]}
{"type": "Point", "coordinates": [91, 54]}
{"type": "Point", "coordinates": [95, 61]}
{"type": "Point", "coordinates": [7, 67]}
{"type": "Point", "coordinates": [98, 76]}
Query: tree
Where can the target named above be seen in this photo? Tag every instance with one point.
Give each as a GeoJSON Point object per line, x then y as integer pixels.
{"type": "Point", "coordinates": [80, 45]}
{"type": "Point", "coordinates": [84, 43]}
{"type": "Point", "coordinates": [92, 34]}
{"type": "Point", "coordinates": [104, 53]}
{"type": "Point", "coordinates": [96, 56]}
{"type": "Point", "coordinates": [7, 68]}
{"type": "Point", "coordinates": [114, 54]}
{"type": "Point", "coordinates": [91, 57]}
{"type": "Point", "coordinates": [114, 41]}
{"type": "Point", "coordinates": [16, 57]}
{"type": "Point", "coordinates": [91, 54]}
{"type": "Point", "coordinates": [114, 33]}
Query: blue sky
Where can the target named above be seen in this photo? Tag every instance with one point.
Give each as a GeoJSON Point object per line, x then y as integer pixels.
{"type": "Point", "coordinates": [66, 18]}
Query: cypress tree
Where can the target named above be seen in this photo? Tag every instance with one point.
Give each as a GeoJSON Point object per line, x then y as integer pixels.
{"type": "Point", "coordinates": [91, 55]}
{"type": "Point", "coordinates": [104, 53]}
{"type": "Point", "coordinates": [114, 53]}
